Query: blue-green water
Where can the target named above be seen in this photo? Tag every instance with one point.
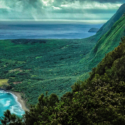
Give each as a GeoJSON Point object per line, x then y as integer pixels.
{"type": "Point", "coordinates": [35, 30]}
{"type": "Point", "coordinates": [9, 101]}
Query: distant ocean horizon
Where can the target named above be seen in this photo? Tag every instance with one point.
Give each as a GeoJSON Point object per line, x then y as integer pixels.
{"type": "Point", "coordinates": [45, 31]}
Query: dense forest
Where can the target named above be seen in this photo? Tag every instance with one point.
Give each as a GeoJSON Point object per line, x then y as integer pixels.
{"type": "Point", "coordinates": [98, 100]}
{"type": "Point", "coordinates": [32, 67]}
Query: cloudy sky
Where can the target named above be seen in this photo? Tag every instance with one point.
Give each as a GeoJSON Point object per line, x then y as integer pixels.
{"type": "Point", "coordinates": [95, 11]}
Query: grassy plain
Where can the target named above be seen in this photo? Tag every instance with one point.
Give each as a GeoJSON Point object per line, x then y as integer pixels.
{"type": "Point", "coordinates": [3, 82]}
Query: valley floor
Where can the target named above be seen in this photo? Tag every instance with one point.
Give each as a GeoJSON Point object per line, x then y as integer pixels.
{"type": "Point", "coordinates": [33, 67]}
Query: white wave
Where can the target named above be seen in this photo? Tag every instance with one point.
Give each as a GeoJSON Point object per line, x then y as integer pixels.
{"type": "Point", "coordinates": [7, 103]}
{"type": "Point", "coordinates": [16, 99]}
{"type": "Point", "coordinates": [12, 110]}
{"type": "Point", "coordinates": [16, 109]}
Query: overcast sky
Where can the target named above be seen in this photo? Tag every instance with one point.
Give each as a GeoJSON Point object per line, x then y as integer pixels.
{"type": "Point", "coordinates": [95, 11]}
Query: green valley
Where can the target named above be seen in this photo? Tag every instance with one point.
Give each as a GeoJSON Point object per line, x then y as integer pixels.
{"type": "Point", "coordinates": [36, 66]}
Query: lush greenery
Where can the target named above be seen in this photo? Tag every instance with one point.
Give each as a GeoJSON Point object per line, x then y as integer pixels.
{"type": "Point", "coordinates": [108, 25]}
{"type": "Point", "coordinates": [33, 67]}
{"type": "Point", "coordinates": [98, 100]}
{"type": "Point", "coordinates": [104, 45]}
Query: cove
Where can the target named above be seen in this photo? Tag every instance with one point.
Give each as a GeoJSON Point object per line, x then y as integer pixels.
{"type": "Point", "coordinates": [9, 101]}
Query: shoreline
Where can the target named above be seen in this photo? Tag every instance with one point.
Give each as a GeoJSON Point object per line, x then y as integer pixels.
{"type": "Point", "coordinates": [20, 100]}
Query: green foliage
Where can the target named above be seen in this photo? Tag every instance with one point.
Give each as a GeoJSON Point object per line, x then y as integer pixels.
{"type": "Point", "coordinates": [11, 119]}
{"type": "Point", "coordinates": [105, 44]}
{"type": "Point", "coordinates": [36, 66]}
{"type": "Point", "coordinates": [98, 100]}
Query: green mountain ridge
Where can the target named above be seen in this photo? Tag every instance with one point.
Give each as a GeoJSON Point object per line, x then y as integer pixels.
{"type": "Point", "coordinates": [105, 44]}
{"type": "Point", "coordinates": [107, 26]}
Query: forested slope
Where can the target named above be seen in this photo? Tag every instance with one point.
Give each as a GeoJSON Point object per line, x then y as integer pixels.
{"type": "Point", "coordinates": [98, 100]}
{"type": "Point", "coordinates": [33, 67]}
{"type": "Point", "coordinates": [107, 26]}
{"type": "Point", "coordinates": [105, 44]}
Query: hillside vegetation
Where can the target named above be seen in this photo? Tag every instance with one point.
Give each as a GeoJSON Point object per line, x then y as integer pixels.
{"type": "Point", "coordinates": [105, 44]}
{"type": "Point", "coordinates": [33, 67]}
{"type": "Point", "coordinates": [98, 100]}
{"type": "Point", "coordinates": [108, 25]}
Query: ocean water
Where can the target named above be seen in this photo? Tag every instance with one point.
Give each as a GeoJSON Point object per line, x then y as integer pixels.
{"type": "Point", "coordinates": [45, 31]}
{"type": "Point", "coordinates": [9, 101]}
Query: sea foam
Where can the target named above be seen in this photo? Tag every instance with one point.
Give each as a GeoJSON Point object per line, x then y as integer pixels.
{"type": "Point", "coordinates": [9, 101]}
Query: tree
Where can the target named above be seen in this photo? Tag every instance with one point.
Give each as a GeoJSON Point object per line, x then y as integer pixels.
{"type": "Point", "coordinates": [10, 119]}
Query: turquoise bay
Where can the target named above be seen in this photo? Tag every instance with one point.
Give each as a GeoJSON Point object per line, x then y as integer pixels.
{"type": "Point", "coordinates": [9, 101]}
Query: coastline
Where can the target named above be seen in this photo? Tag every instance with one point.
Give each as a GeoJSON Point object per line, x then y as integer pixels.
{"type": "Point", "coordinates": [19, 99]}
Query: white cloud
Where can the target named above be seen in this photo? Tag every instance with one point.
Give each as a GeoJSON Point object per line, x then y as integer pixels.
{"type": "Point", "coordinates": [91, 5]}
{"type": "Point", "coordinates": [54, 9]}
{"type": "Point", "coordinates": [3, 5]}
{"type": "Point", "coordinates": [47, 2]}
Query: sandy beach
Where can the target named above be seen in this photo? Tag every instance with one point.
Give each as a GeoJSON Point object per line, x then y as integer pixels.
{"type": "Point", "coordinates": [20, 100]}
